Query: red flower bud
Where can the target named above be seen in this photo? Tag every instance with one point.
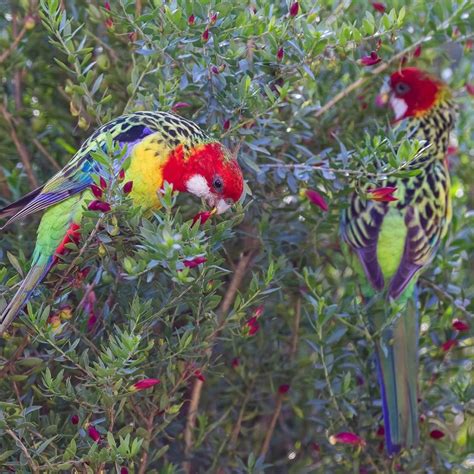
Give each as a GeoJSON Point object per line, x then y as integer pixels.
{"type": "Point", "coordinates": [280, 54]}
{"type": "Point", "coordinates": [100, 206]}
{"type": "Point", "coordinates": [436, 434]}
{"type": "Point", "coordinates": [127, 187]}
{"type": "Point", "coordinates": [93, 433]}
{"type": "Point", "coordinates": [203, 216]}
{"type": "Point", "coordinates": [107, 6]}
{"type": "Point", "coordinates": [347, 438]}
{"type": "Point", "coordinates": [194, 262]}
{"type": "Point", "coordinates": [103, 183]}
{"type": "Point", "coordinates": [109, 24]}
{"type": "Point", "coordinates": [144, 384]}
{"type": "Point", "coordinates": [191, 20]}
{"type": "Point", "coordinates": [121, 175]}
{"type": "Point", "coordinates": [132, 36]}
{"type": "Point", "coordinates": [284, 388]}
{"type": "Point", "coordinates": [235, 362]}
{"type": "Point", "coordinates": [371, 60]}
{"type": "Point", "coordinates": [180, 105]}
{"type": "Point", "coordinates": [215, 70]}
{"type": "Point", "coordinates": [226, 125]}
{"type": "Point", "coordinates": [384, 194]}
{"type": "Point", "coordinates": [252, 326]}
{"type": "Point", "coordinates": [198, 374]}
{"type": "Point", "coordinates": [316, 199]}
{"type": "Point", "coordinates": [470, 89]}
{"type": "Point", "coordinates": [417, 52]}
{"type": "Point", "coordinates": [96, 191]}
{"type": "Point", "coordinates": [205, 35]}
{"type": "Point", "coordinates": [448, 345]}
{"type": "Point", "coordinates": [294, 8]}
{"type": "Point", "coordinates": [74, 419]}
{"type": "Point", "coordinates": [380, 431]}
{"type": "Point", "coordinates": [460, 326]}
{"type": "Point", "coordinates": [123, 470]}
{"type": "Point", "coordinates": [380, 7]}
{"type": "Point", "coordinates": [213, 19]}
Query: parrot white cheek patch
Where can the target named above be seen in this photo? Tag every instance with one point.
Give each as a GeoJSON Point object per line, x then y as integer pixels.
{"type": "Point", "coordinates": [198, 186]}
{"type": "Point", "coordinates": [399, 107]}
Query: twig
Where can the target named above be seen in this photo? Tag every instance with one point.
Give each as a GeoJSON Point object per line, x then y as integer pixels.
{"type": "Point", "coordinates": [280, 396]}
{"type": "Point", "coordinates": [237, 278]}
{"type": "Point", "coordinates": [20, 147]}
{"type": "Point", "coordinates": [14, 45]}
{"type": "Point", "coordinates": [46, 154]}
{"type": "Point", "coordinates": [19, 443]}
{"type": "Point", "coordinates": [144, 459]}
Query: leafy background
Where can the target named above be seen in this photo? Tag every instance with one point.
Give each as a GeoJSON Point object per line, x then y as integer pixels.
{"type": "Point", "coordinates": [289, 93]}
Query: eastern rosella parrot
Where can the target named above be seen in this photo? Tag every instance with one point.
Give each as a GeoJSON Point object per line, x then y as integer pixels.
{"type": "Point", "coordinates": [161, 147]}
{"type": "Point", "coordinates": [394, 241]}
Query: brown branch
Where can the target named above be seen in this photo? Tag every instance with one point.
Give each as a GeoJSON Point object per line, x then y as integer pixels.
{"type": "Point", "coordinates": [20, 147]}
{"type": "Point", "coordinates": [46, 154]}
{"type": "Point", "coordinates": [14, 45]}
{"type": "Point", "coordinates": [229, 297]}
{"type": "Point", "coordinates": [280, 396]}
{"type": "Point", "coordinates": [144, 459]}
{"type": "Point", "coordinates": [19, 443]}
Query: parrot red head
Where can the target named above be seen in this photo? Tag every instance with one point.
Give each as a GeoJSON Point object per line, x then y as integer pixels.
{"type": "Point", "coordinates": [209, 171]}
{"type": "Point", "coordinates": [411, 92]}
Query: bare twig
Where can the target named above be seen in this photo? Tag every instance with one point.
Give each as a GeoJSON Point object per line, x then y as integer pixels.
{"type": "Point", "coordinates": [24, 449]}
{"type": "Point", "coordinates": [46, 154]}
{"type": "Point", "coordinates": [229, 297]}
{"type": "Point", "coordinates": [281, 396]}
{"type": "Point", "coordinates": [20, 147]}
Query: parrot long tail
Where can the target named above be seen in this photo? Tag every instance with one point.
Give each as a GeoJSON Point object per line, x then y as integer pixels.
{"type": "Point", "coordinates": [397, 368]}
{"type": "Point", "coordinates": [33, 278]}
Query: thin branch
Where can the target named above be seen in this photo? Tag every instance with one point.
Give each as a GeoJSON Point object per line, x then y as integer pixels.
{"type": "Point", "coordinates": [20, 147]}
{"type": "Point", "coordinates": [14, 45]}
{"type": "Point", "coordinates": [19, 443]}
{"type": "Point", "coordinates": [280, 396]}
{"type": "Point", "coordinates": [46, 154]}
{"type": "Point", "coordinates": [229, 297]}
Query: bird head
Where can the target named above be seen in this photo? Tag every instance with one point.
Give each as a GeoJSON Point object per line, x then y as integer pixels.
{"type": "Point", "coordinates": [208, 171]}
{"type": "Point", "coordinates": [411, 93]}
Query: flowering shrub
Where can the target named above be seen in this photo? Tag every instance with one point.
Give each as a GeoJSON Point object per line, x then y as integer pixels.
{"type": "Point", "coordinates": [185, 341]}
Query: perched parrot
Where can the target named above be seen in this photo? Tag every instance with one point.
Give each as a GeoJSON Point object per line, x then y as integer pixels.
{"type": "Point", "coordinates": [161, 147]}
{"type": "Point", "coordinates": [394, 241]}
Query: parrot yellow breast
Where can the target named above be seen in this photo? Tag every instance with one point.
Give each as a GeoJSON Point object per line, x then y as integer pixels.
{"type": "Point", "coordinates": [146, 170]}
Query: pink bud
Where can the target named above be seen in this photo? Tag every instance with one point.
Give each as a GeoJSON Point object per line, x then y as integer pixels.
{"type": "Point", "coordinates": [127, 187]}
{"type": "Point", "coordinates": [384, 194]}
{"type": "Point", "coordinates": [417, 52]}
{"type": "Point", "coordinates": [370, 60]}
{"type": "Point", "coordinates": [380, 7]}
{"type": "Point", "coordinates": [123, 470]}
{"type": "Point", "coordinates": [226, 125]}
{"type": "Point", "coordinates": [259, 311]}
{"type": "Point", "coordinates": [470, 89]}
{"type": "Point", "coordinates": [96, 191]}
{"type": "Point", "coordinates": [448, 345]}
{"type": "Point", "coordinates": [294, 8]}
{"type": "Point", "coordinates": [103, 183]}
{"type": "Point", "coordinates": [74, 419]}
{"type": "Point", "coordinates": [121, 175]}
{"type": "Point", "coordinates": [213, 19]}
{"type": "Point", "coordinates": [205, 35]}
{"type": "Point", "coordinates": [280, 54]}
{"type": "Point", "coordinates": [198, 374]}
{"type": "Point", "coordinates": [194, 262]}
{"type": "Point", "coordinates": [316, 199]}
{"type": "Point", "coordinates": [180, 105]}
{"type": "Point", "coordinates": [191, 20]}
{"type": "Point", "coordinates": [144, 384]}
{"type": "Point", "coordinates": [347, 438]}
{"type": "Point", "coordinates": [93, 433]}
{"type": "Point", "coordinates": [99, 206]}
{"type": "Point", "coordinates": [284, 388]}
{"type": "Point", "coordinates": [235, 362]}
{"type": "Point", "coordinates": [107, 6]}
{"type": "Point", "coordinates": [252, 326]}
{"type": "Point", "coordinates": [460, 326]}
{"type": "Point", "coordinates": [215, 69]}
{"type": "Point", "coordinates": [203, 216]}
{"type": "Point", "coordinates": [91, 320]}
{"type": "Point", "coordinates": [436, 434]}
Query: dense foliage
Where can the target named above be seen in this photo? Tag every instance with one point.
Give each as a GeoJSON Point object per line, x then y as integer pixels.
{"type": "Point", "coordinates": [262, 351]}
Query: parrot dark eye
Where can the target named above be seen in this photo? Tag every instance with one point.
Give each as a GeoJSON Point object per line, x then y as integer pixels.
{"type": "Point", "coordinates": [401, 88]}
{"type": "Point", "coordinates": [218, 184]}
